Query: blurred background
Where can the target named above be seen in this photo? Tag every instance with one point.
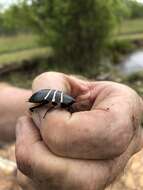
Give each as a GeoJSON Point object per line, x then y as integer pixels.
{"type": "Point", "coordinates": [100, 39]}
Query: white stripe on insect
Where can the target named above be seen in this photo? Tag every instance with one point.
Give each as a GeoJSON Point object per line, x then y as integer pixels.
{"type": "Point", "coordinates": [48, 94]}
{"type": "Point", "coordinates": [54, 96]}
{"type": "Point", "coordinates": [62, 97]}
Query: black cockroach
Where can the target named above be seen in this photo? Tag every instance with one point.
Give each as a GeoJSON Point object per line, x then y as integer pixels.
{"type": "Point", "coordinates": [55, 97]}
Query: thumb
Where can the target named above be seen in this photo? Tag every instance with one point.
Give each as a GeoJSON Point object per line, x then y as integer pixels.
{"type": "Point", "coordinates": [57, 119]}
{"type": "Point", "coordinates": [60, 81]}
{"type": "Point", "coordinates": [70, 85]}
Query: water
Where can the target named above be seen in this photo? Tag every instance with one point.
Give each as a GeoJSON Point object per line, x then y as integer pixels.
{"type": "Point", "coordinates": [133, 63]}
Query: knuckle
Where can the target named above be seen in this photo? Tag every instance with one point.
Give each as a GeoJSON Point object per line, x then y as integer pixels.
{"type": "Point", "coordinates": [21, 153]}
{"type": "Point", "coordinates": [23, 159]}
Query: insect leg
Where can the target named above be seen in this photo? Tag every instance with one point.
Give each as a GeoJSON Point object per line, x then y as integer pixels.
{"type": "Point", "coordinates": [70, 109]}
{"type": "Point", "coordinates": [38, 106]}
{"type": "Point", "coordinates": [48, 111]}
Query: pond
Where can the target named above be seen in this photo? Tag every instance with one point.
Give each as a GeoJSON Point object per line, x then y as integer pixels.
{"type": "Point", "coordinates": [133, 63]}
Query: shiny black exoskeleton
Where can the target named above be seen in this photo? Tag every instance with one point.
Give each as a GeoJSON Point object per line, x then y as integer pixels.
{"type": "Point", "coordinates": [55, 97]}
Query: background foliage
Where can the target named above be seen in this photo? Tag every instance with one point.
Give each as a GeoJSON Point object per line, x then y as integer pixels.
{"type": "Point", "coordinates": [78, 31]}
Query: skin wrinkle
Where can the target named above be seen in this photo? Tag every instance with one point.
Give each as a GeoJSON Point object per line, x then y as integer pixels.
{"type": "Point", "coordinates": [124, 158]}
{"type": "Point", "coordinates": [90, 94]}
{"type": "Point", "coordinates": [58, 167]}
{"type": "Point", "coordinates": [84, 101]}
{"type": "Point", "coordinates": [95, 93]}
{"type": "Point", "coordinates": [24, 163]}
{"type": "Point", "coordinates": [109, 94]}
{"type": "Point", "coordinates": [67, 120]}
{"type": "Point", "coordinates": [134, 123]}
{"type": "Point", "coordinates": [129, 142]}
{"type": "Point", "coordinates": [110, 178]}
{"type": "Point", "coordinates": [93, 181]}
{"type": "Point", "coordinates": [76, 86]}
{"type": "Point", "coordinates": [103, 109]}
{"type": "Point", "coordinates": [86, 134]}
{"type": "Point", "coordinates": [67, 85]}
{"type": "Point", "coordinates": [66, 138]}
{"type": "Point", "coordinates": [79, 171]}
{"type": "Point", "coordinates": [50, 178]}
{"type": "Point", "coordinates": [52, 147]}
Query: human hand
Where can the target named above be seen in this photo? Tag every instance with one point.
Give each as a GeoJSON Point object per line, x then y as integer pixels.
{"type": "Point", "coordinates": [105, 100]}
{"type": "Point", "coordinates": [107, 117]}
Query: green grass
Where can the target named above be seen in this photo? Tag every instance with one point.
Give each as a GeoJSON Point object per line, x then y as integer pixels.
{"type": "Point", "coordinates": [130, 37]}
{"type": "Point", "coordinates": [131, 26]}
{"type": "Point", "coordinates": [19, 56]}
{"type": "Point", "coordinates": [130, 30]}
{"type": "Point", "coordinates": [15, 49]}
{"type": "Point", "coordinates": [9, 44]}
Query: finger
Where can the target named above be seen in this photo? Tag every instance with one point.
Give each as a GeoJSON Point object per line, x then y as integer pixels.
{"type": "Point", "coordinates": [75, 87]}
{"type": "Point", "coordinates": [55, 169]}
{"type": "Point", "coordinates": [59, 81]}
{"type": "Point", "coordinates": [31, 154]}
{"type": "Point", "coordinates": [26, 136]}
{"type": "Point", "coordinates": [86, 134]}
{"type": "Point", "coordinates": [37, 162]}
{"type": "Point", "coordinates": [24, 181]}
{"type": "Point", "coordinates": [119, 163]}
{"type": "Point", "coordinates": [26, 132]}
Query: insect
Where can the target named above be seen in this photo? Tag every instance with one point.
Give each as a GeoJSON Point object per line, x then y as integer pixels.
{"type": "Point", "coordinates": [50, 96]}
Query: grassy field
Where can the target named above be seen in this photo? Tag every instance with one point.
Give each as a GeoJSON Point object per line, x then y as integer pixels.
{"type": "Point", "coordinates": [17, 57]}
{"type": "Point", "coordinates": [130, 37]}
{"type": "Point", "coordinates": [130, 29]}
{"type": "Point", "coordinates": [9, 44]}
{"type": "Point", "coordinates": [25, 46]}
{"type": "Point", "coordinates": [131, 26]}
{"type": "Point", "coordinates": [14, 49]}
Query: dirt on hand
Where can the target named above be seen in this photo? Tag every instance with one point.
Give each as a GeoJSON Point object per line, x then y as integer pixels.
{"type": "Point", "coordinates": [130, 179]}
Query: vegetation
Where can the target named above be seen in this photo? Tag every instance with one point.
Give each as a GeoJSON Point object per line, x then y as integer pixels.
{"type": "Point", "coordinates": [128, 27]}
{"type": "Point", "coordinates": [136, 9]}
{"type": "Point", "coordinates": [13, 20]}
{"type": "Point", "coordinates": [9, 44]}
{"type": "Point", "coordinates": [78, 31]}
{"type": "Point", "coordinates": [20, 56]}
